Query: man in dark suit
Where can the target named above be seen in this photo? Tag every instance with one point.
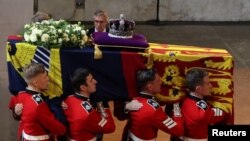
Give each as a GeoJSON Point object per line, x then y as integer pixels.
{"type": "Point", "coordinates": [100, 22]}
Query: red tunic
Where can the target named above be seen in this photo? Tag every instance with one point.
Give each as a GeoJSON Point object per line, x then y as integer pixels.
{"type": "Point", "coordinates": [38, 122]}
{"type": "Point", "coordinates": [12, 104]}
{"type": "Point", "coordinates": [198, 115]}
{"type": "Point", "coordinates": [145, 122]}
{"type": "Point", "coordinates": [84, 121]}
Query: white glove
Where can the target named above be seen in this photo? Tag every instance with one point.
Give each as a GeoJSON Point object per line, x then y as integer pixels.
{"type": "Point", "coordinates": [18, 109]}
{"type": "Point", "coordinates": [64, 106]}
{"type": "Point", "coordinates": [133, 105]}
{"type": "Point", "coordinates": [177, 110]}
{"type": "Point", "coordinates": [101, 110]}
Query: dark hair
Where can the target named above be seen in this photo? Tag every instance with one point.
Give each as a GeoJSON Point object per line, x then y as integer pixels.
{"type": "Point", "coordinates": [101, 13]}
{"type": "Point", "coordinates": [32, 70]}
{"type": "Point", "coordinates": [78, 78]}
{"type": "Point", "coordinates": [143, 77]}
{"type": "Point", "coordinates": [194, 78]}
{"type": "Point", "coordinates": [40, 16]}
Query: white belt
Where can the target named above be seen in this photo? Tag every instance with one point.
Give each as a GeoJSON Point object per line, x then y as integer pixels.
{"type": "Point", "coordinates": [132, 136]}
{"type": "Point", "coordinates": [94, 139]}
{"type": "Point", "coordinates": [191, 139]}
{"type": "Point", "coordinates": [37, 138]}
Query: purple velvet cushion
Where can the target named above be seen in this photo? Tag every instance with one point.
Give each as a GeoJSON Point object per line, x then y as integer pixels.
{"type": "Point", "coordinates": [102, 38]}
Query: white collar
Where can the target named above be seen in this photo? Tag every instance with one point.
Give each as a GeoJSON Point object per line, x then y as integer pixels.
{"type": "Point", "coordinates": [81, 95]}
{"type": "Point", "coordinates": [146, 93]}
{"type": "Point", "coordinates": [194, 95]}
{"type": "Point", "coordinates": [102, 31]}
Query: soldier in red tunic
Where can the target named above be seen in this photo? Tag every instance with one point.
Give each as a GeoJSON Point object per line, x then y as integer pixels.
{"type": "Point", "coordinates": [85, 122]}
{"type": "Point", "coordinates": [37, 121]}
{"type": "Point", "coordinates": [144, 123]}
{"type": "Point", "coordinates": [197, 113]}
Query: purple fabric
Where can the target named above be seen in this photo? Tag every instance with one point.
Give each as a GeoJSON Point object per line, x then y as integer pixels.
{"type": "Point", "coordinates": [102, 38]}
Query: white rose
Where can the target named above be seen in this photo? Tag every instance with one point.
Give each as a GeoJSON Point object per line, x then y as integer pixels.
{"type": "Point", "coordinates": [54, 31]}
{"type": "Point", "coordinates": [34, 31]}
{"type": "Point", "coordinates": [56, 22]}
{"type": "Point", "coordinates": [61, 20]}
{"type": "Point", "coordinates": [33, 38]}
{"type": "Point", "coordinates": [45, 22]}
{"type": "Point", "coordinates": [32, 27]}
{"type": "Point", "coordinates": [26, 37]}
{"type": "Point", "coordinates": [39, 32]}
{"type": "Point", "coordinates": [54, 41]}
{"type": "Point", "coordinates": [69, 26]}
{"type": "Point", "coordinates": [60, 40]}
{"type": "Point", "coordinates": [26, 26]}
{"type": "Point", "coordinates": [52, 27]}
{"type": "Point", "coordinates": [78, 28]}
{"type": "Point", "coordinates": [83, 32]}
{"type": "Point", "coordinates": [59, 30]}
{"type": "Point", "coordinates": [45, 37]}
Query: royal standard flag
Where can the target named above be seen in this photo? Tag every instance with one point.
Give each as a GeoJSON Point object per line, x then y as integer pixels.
{"type": "Point", "coordinates": [116, 70]}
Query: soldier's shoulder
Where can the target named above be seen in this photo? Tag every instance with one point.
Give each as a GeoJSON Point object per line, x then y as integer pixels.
{"type": "Point", "coordinates": [202, 104]}
{"type": "Point", "coordinates": [153, 103]}
{"type": "Point", "coordinates": [70, 97]}
{"type": "Point", "coordinates": [87, 106]}
{"type": "Point", "coordinates": [37, 99]}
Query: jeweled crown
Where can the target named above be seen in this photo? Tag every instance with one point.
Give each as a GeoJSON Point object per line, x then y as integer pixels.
{"type": "Point", "coordinates": [121, 28]}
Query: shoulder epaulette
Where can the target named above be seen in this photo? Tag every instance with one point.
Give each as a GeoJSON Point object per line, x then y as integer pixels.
{"type": "Point", "coordinates": [37, 98]}
{"type": "Point", "coordinates": [87, 106]}
{"type": "Point", "coordinates": [202, 104]}
{"type": "Point", "coordinates": [153, 103]}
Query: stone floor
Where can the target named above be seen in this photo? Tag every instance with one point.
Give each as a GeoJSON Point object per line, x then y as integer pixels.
{"type": "Point", "coordinates": [232, 37]}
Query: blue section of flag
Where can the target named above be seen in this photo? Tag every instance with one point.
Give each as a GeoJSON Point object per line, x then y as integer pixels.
{"type": "Point", "coordinates": [16, 82]}
{"type": "Point", "coordinates": [107, 71]}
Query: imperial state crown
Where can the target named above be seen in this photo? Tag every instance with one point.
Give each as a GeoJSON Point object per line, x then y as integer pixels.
{"type": "Point", "coordinates": [121, 28]}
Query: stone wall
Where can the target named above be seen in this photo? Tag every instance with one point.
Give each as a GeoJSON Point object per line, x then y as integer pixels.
{"type": "Point", "coordinates": [143, 10]}
{"type": "Point", "coordinates": [15, 13]}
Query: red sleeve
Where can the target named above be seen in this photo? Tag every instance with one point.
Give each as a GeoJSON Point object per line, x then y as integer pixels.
{"type": "Point", "coordinates": [215, 115]}
{"type": "Point", "coordinates": [48, 120]}
{"type": "Point", "coordinates": [210, 115]}
{"type": "Point", "coordinates": [97, 124]}
{"type": "Point", "coordinates": [13, 102]}
{"type": "Point", "coordinates": [165, 123]}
